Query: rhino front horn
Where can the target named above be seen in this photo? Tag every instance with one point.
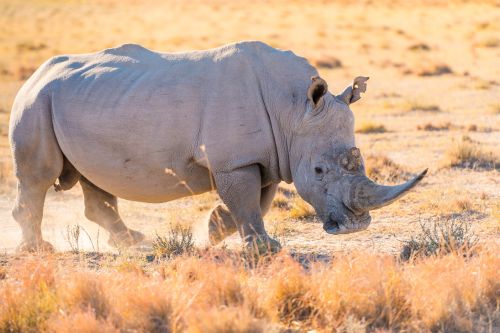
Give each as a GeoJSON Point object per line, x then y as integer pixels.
{"type": "Point", "coordinates": [367, 195]}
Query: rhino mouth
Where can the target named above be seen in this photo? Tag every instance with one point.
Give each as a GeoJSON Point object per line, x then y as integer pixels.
{"type": "Point", "coordinates": [334, 227]}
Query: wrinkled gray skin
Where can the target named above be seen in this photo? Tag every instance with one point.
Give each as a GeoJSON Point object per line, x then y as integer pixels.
{"type": "Point", "coordinates": [147, 126]}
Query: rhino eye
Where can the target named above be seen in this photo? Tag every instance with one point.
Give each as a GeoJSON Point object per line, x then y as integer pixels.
{"type": "Point", "coordinates": [318, 170]}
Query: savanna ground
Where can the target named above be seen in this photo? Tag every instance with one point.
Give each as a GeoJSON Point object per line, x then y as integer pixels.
{"type": "Point", "coordinates": [433, 101]}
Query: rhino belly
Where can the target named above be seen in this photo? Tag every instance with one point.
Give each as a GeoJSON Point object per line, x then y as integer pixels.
{"type": "Point", "coordinates": [131, 161]}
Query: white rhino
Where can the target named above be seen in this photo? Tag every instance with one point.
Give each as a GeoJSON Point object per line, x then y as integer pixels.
{"type": "Point", "coordinates": [148, 126]}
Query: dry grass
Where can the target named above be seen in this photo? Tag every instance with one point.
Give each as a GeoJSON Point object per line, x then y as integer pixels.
{"type": "Point", "coordinates": [382, 169]}
{"type": "Point", "coordinates": [419, 106]}
{"type": "Point", "coordinates": [491, 42]}
{"type": "Point", "coordinates": [369, 127]}
{"type": "Point", "coordinates": [178, 241]}
{"type": "Point", "coordinates": [495, 108]}
{"type": "Point", "coordinates": [217, 292]}
{"type": "Point", "coordinates": [328, 62]}
{"type": "Point", "coordinates": [434, 70]}
{"type": "Point", "coordinates": [301, 209]}
{"type": "Point", "coordinates": [442, 237]}
{"type": "Point", "coordinates": [469, 154]}
{"type": "Point", "coordinates": [431, 127]}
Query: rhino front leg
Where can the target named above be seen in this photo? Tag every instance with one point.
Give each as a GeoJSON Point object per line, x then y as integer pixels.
{"type": "Point", "coordinates": [240, 190]}
{"type": "Point", "coordinates": [222, 223]}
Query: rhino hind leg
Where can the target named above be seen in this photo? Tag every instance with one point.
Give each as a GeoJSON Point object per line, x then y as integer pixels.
{"type": "Point", "coordinates": [38, 162]}
{"type": "Point", "coordinates": [28, 212]}
{"type": "Point", "coordinates": [101, 207]}
{"type": "Point", "coordinates": [221, 223]}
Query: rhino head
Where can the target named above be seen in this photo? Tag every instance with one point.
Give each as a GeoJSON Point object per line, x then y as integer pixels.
{"type": "Point", "coordinates": [327, 168]}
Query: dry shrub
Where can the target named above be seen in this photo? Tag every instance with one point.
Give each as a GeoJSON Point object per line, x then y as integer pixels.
{"type": "Point", "coordinates": [24, 72]}
{"type": "Point", "coordinates": [455, 294]}
{"type": "Point", "coordinates": [86, 292]}
{"type": "Point", "coordinates": [484, 84]}
{"type": "Point", "coordinates": [432, 127]}
{"type": "Point", "coordinates": [443, 237]}
{"type": "Point", "coordinates": [178, 241]}
{"type": "Point", "coordinates": [144, 307]}
{"type": "Point", "coordinates": [281, 201]}
{"type": "Point", "coordinates": [225, 320]}
{"type": "Point", "coordinates": [419, 106]}
{"type": "Point", "coordinates": [290, 296]}
{"type": "Point", "coordinates": [329, 62]}
{"type": "Point", "coordinates": [81, 322]}
{"type": "Point", "coordinates": [382, 169]}
{"type": "Point", "coordinates": [469, 154]}
{"type": "Point", "coordinates": [30, 46]}
{"type": "Point", "coordinates": [472, 128]}
{"type": "Point", "coordinates": [27, 298]}
{"type": "Point", "coordinates": [491, 42]}
{"type": "Point", "coordinates": [364, 287]}
{"type": "Point", "coordinates": [495, 108]}
{"type": "Point", "coordinates": [223, 286]}
{"type": "Point", "coordinates": [462, 205]}
{"type": "Point", "coordinates": [419, 47]}
{"type": "Point", "coordinates": [434, 70]}
{"type": "Point", "coordinates": [368, 127]}
{"type": "Point", "coordinates": [301, 209]}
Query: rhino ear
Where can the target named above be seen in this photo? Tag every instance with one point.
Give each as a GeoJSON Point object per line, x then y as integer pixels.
{"type": "Point", "coordinates": [316, 91]}
{"type": "Point", "coordinates": [353, 94]}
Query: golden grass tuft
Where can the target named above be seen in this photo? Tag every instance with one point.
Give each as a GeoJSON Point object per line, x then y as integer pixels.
{"type": "Point", "coordinates": [491, 42]}
{"type": "Point", "coordinates": [495, 108]}
{"type": "Point", "coordinates": [368, 127]}
{"type": "Point", "coordinates": [281, 201]}
{"type": "Point", "coordinates": [434, 70]}
{"type": "Point", "coordinates": [86, 291]}
{"type": "Point", "coordinates": [328, 62]}
{"type": "Point", "coordinates": [469, 154]}
{"type": "Point", "coordinates": [301, 209]}
{"type": "Point", "coordinates": [81, 322]}
{"type": "Point", "coordinates": [419, 47]}
{"type": "Point", "coordinates": [419, 106]}
{"type": "Point", "coordinates": [432, 127]}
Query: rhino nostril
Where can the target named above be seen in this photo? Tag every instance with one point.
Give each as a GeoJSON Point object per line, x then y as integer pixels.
{"type": "Point", "coordinates": [352, 211]}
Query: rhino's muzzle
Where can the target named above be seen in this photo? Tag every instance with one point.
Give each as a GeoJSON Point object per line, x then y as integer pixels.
{"type": "Point", "coordinates": [366, 195]}
{"type": "Point", "coordinates": [334, 226]}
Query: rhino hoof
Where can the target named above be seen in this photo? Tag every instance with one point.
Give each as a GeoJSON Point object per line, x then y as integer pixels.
{"type": "Point", "coordinates": [41, 246]}
{"type": "Point", "coordinates": [126, 238]}
{"type": "Point", "coordinates": [263, 245]}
